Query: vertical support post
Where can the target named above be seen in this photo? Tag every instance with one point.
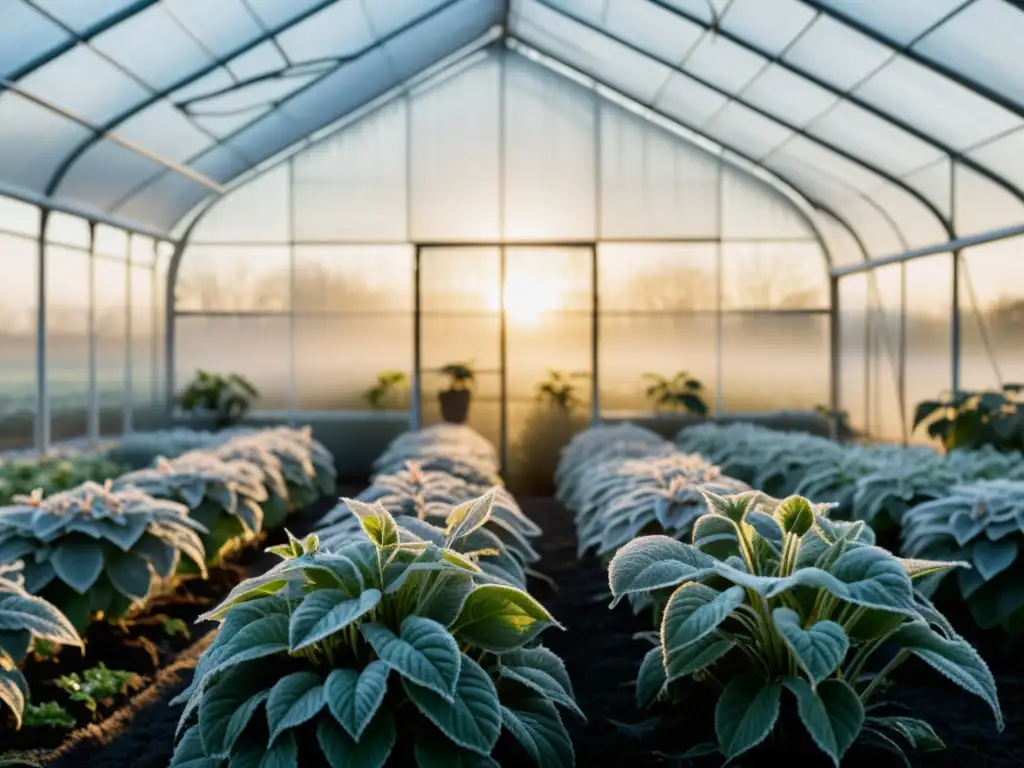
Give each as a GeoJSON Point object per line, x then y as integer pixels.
{"type": "Point", "coordinates": [901, 372]}
{"type": "Point", "coordinates": [503, 358]}
{"type": "Point", "coordinates": [169, 330]}
{"type": "Point", "coordinates": [416, 390]}
{"type": "Point", "coordinates": [595, 333]}
{"type": "Point", "coordinates": [955, 309]}
{"type": "Point", "coordinates": [42, 436]}
{"type": "Point", "coordinates": [835, 355]}
{"type": "Point", "coordinates": [154, 338]}
{"type": "Point", "coordinates": [503, 259]}
{"type": "Point", "coordinates": [293, 395]}
{"type": "Point", "coordinates": [720, 217]}
{"type": "Point", "coordinates": [127, 424]}
{"type": "Point", "coordinates": [92, 399]}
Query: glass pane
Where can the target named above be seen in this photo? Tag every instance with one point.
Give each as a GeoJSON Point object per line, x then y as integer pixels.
{"type": "Point", "coordinates": [549, 141]}
{"type": "Point", "coordinates": [387, 17]}
{"type": "Point", "coordinates": [110, 242]}
{"type": "Point", "coordinates": [258, 348]}
{"type": "Point", "coordinates": [18, 315]}
{"type": "Point", "coordinates": [105, 173]}
{"type": "Point", "coordinates": [256, 212]}
{"type": "Point", "coordinates": [782, 93]}
{"type": "Point", "coordinates": [739, 126]}
{"type": "Point", "coordinates": [723, 63]}
{"type": "Point", "coordinates": [81, 16]}
{"type": "Point", "coordinates": [352, 186]}
{"type": "Point", "coordinates": [992, 315]}
{"type": "Point", "coordinates": [67, 230]}
{"type": "Point", "coordinates": [635, 277]}
{"type": "Point", "coordinates": [766, 275]}
{"type": "Point", "coordinates": [771, 25]}
{"type": "Point", "coordinates": [341, 29]}
{"type": "Point", "coordinates": [259, 60]}
{"type": "Point", "coordinates": [371, 279]}
{"type": "Point", "coordinates": [24, 123]}
{"type": "Point", "coordinates": [222, 27]}
{"type": "Point", "coordinates": [146, 410]}
{"type": "Point", "coordinates": [163, 202]}
{"type": "Point", "coordinates": [690, 102]}
{"type": "Point", "coordinates": [454, 144]}
{"type": "Point", "coordinates": [980, 205]}
{"type": "Point", "coordinates": [900, 24]}
{"type": "Point", "coordinates": [790, 354]}
{"type": "Point", "coordinates": [854, 345]}
{"type": "Point", "coordinates": [26, 35]}
{"type": "Point", "coordinates": [142, 249]}
{"type": "Point", "coordinates": [274, 13]}
{"type": "Point", "coordinates": [163, 129]}
{"type": "Point", "coordinates": [234, 279]}
{"type": "Point", "coordinates": [67, 341]}
{"type": "Point", "coordinates": [929, 308]}
{"type": "Point", "coordinates": [337, 359]}
{"type": "Point", "coordinates": [751, 210]}
{"type": "Point", "coordinates": [18, 217]}
{"type": "Point", "coordinates": [653, 184]}
{"type": "Point", "coordinates": [540, 281]}
{"type": "Point", "coordinates": [885, 406]}
{"type": "Point", "coordinates": [484, 409]}
{"type": "Point", "coordinates": [110, 316]}
{"type": "Point", "coordinates": [634, 344]}
{"type": "Point", "coordinates": [1005, 156]}
{"type": "Point", "coordinates": [815, 51]}
{"type": "Point", "coordinates": [667, 35]}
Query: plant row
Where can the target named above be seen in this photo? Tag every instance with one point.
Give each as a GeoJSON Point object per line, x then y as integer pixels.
{"type": "Point", "coordinates": [102, 552]}
{"type": "Point", "coordinates": [964, 505]}
{"type": "Point", "coordinates": [400, 629]}
{"type": "Point", "coordinates": [764, 600]}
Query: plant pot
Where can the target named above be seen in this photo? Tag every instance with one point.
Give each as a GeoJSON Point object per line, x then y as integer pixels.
{"type": "Point", "coordinates": [454, 405]}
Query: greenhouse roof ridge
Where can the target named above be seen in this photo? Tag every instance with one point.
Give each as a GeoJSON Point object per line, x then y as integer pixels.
{"type": "Point", "coordinates": [138, 111]}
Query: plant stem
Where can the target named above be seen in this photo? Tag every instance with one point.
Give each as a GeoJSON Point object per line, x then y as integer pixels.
{"type": "Point", "coordinates": [898, 659]}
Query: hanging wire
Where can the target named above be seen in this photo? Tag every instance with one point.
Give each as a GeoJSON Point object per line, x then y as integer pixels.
{"type": "Point", "coordinates": [986, 341]}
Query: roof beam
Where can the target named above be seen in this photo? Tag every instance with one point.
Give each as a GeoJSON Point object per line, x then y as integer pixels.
{"type": "Point", "coordinates": [855, 100]}
{"type": "Point", "coordinates": [924, 61]}
{"type": "Point", "coordinates": [880, 172]}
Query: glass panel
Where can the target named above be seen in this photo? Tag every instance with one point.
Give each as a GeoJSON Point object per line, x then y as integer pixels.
{"type": "Point", "coordinates": [256, 212]}
{"type": "Point", "coordinates": [690, 102]}
{"type": "Point", "coordinates": [163, 129]}
{"type": "Point", "coordinates": [885, 408]}
{"type": "Point", "coordinates": [387, 17]}
{"type": "Point", "coordinates": [222, 27]}
{"type": "Point", "coordinates": [853, 345]}
{"type": "Point", "coordinates": [815, 52]}
{"type": "Point", "coordinates": [257, 61]}
{"type": "Point", "coordinates": [634, 344]}
{"type": "Point", "coordinates": [723, 63]}
{"type": "Point", "coordinates": [769, 24]}
{"type": "Point", "coordinates": [842, 245]}
{"type": "Point", "coordinates": [901, 24]}
{"type": "Point", "coordinates": [234, 279]}
{"type": "Point", "coordinates": [789, 96]}
{"type": "Point", "coordinates": [24, 123]}
{"type": "Point", "coordinates": [352, 185]}
{"type": "Point", "coordinates": [160, 393]}
{"type": "Point", "coordinates": [981, 205]}
{"type": "Point", "coordinates": [664, 277]}
{"type": "Point", "coordinates": [246, 100]}
{"type": "Point", "coordinates": [549, 142]}
{"type": "Point", "coordinates": [131, 45]}
{"type": "Point", "coordinates": [110, 316]}
{"type": "Point", "coordinates": [341, 29]}
{"type": "Point", "coordinates": [67, 341]}
{"type": "Point", "coordinates": [337, 359]}
{"type": "Point", "coordinates": [26, 35]}
{"type": "Point", "coordinates": [367, 279]}
{"type": "Point", "coordinates": [81, 16]}
{"type": "Point", "coordinates": [929, 309]}
{"type": "Point", "coordinates": [162, 202]}
{"type": "Point", "coordinates": [667, 35]}
{"type": "Point", "coordinates": [104, 174]}
{"type": "Point", "coordinates": [992, 315]}
{"type": "Point", "coordinates": [258, 348]}
{"type": "Point", "coordinates": [454, 144]}
{"type": "Point", "coordinates": [738, 126]}
{"type": "Point", "coordinates": [752, 209]}
{"type": "Point", "coordinates": [18, 315]}
{"type": "Point", "coordinates": [459, 280]}
{"type": "Point", "coordinates": [67, 230]}
{"type": "Point", "coordinates": [766, 275]}
{"type": "Point", "coordinates": [653, 184]}
{"type": "Point", "coordinates": [938, 106]}
{"type": "Point", "coordinates": [274, 13]}
{"type": "Point", "coordinates": [111, 242]}
{"type": "Point", "coordinates": [145, 408]}
{"type": "Point", "coordinates": [983, 42]}
{"type": "Point", "coordinates": [1005, 156]}
{"type": "Point", "coordinates": [87, 85]}
{"type": "Point", "coordinates": [790, 354]}
{"type": "Point", "coordinates": [142, 249]}
{"type": "Point", "coordinates": [18, 217]}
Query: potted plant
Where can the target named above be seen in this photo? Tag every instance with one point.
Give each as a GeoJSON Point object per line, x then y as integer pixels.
{"type": "Point", "coordinates": [455, 400]}
{"type": "Point", "coordinates": [381, 394]}
{"type": "Point", "coordinates": [559, 391]}
{"type": "Point", "coordinates": [223, 399]}
{"type": "Point", "coordinates": [681, 392]}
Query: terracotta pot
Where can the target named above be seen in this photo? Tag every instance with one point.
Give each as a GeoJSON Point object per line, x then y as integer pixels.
{"type": "Point", "coordinates": [454, 405]}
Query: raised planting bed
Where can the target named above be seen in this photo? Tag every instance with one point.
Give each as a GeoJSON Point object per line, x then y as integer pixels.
{"type": "Point", "coordinates": [145, 647]}
{"type": "Point", "coordinates": [603, 658]}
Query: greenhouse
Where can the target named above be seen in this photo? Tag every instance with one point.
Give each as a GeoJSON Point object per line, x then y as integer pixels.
{"type": "Point", "coordinates": [520, 301]}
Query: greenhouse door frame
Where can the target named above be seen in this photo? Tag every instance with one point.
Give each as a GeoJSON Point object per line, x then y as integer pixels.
{"type": "Point", "coordinates": [416, 399]}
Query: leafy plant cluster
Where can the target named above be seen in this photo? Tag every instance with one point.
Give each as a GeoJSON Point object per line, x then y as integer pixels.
{"type": "Point", "coordinates": [621, 481]}
{"type": "Point", "coordinates": [54, 472]}
{"type": "Point", "coordinates": [874, 483]}
{"type": "Point", "coordinates": [454, 449]}
{"type": "Point", "coordinates": [976, 419]}
{"type": "Point", "coordinates": [380, 639]}
{"type": "Point", "coordinates": [679, 392]}
{"type": "Point", "coordinates": [227, 398]}
{"type": "Point", "coordinates": [772, 601]}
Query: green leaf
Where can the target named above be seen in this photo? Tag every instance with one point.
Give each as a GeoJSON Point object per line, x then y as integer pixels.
{"type": "Point", "coordinates": [469, 516]}
{"type": "Point", "coordinates": [542, 671]}
{"type": "Point", "coordinates": [733, 507]}
{"type": "Point", "coordinates": [953, 658]}
{"type": "Point", "coordinates": [472, 718]}
{"type": "Point", "coordinates": [13, 693]}
{"type": "Point", "coordinates": [697, 655]}
{"type": "Point", "coordinates": [693, 612]}
{"type": "Point", "coordinates": [378, 523]}
{"type": "Point", "coordinates": [924, 410]}
{"type": "Point", "coordinates": [354, 697]}
{"type": "Point", "coordinates": [283, 753]}
{"type": "Point", "coordinates": [370, 751]}
{"type": "Point", "coordinates": [129, 574]}
{"type": "Point", "coordinates": [20, 612]}
{"type": "Point", "coordinates": [433, 750]}
{"type": "Point", "coordinates": [832, 714]}
{"type": "Point", "coordinates": [651, 678]}
{"type": "Point", "coordinates": [819, 649]}
{"type": "Point", "coordinates": [294, 700]}
{"type": "Point", "coordinates": [326, 611]}
{"type": "Point", "coordinates": [444, 599]}
{"type": "Point", "coordinates": [535, 724]}
{"type": "Point", "coordinates": [190, 754]}
{"type": "Point", "coordinates": [918, 569]}
{"type": "Point", "coordinates": [263, 637]}
{"type": "Point", "coordinates": [745, 714]}
{"type": "Point", "coordinates": [78, 563]}
{"type": "Point", "coordinates": [991, 558]}
{"type": "Point", "coordinates": [716, 535]}
{"type": "Point", "coordinates": [649, 563]}
{"type": "Point", "coordinates": [867, 576]}
{"type": "Point", "coordinates": [498, 618]}
{"type": "Point", "coordinates": [425, 653]}
{"type": "Point", "coordinates": [226, 709]}
{"type": "Point", "coordinates": [795, 515]}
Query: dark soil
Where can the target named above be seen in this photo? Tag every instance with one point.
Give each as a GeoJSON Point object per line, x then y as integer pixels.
{"type": "Point", "coordinates": [141, 727]}
{"type": "Point", "coordinates": [602, 659]}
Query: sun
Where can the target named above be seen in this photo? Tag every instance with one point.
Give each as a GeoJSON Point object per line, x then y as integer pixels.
{"type": "Point", "coordinates": [526, 300]}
